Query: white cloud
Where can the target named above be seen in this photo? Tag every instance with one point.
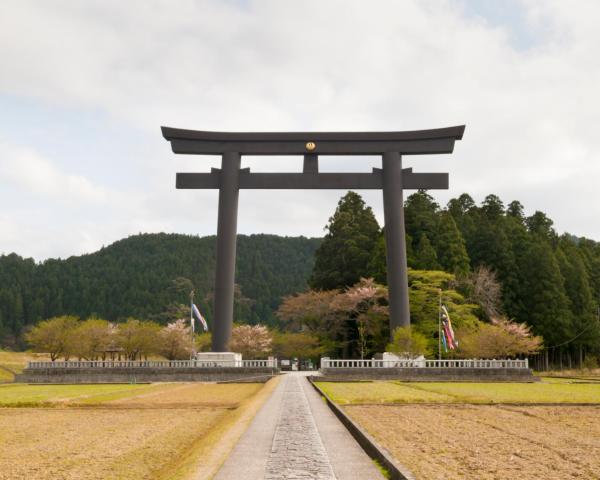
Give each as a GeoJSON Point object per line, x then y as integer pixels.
{"type": "Point", "coordinates": [46, 211]}
{"type": "Point", "coordinates": [531, 114]}
{"type": "Point", "coordinates": [9, 233]}
{"type": "Point", "coordinates": [26, 169]}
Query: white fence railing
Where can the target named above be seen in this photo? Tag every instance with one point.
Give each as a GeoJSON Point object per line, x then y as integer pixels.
{"type": "Point", "coordinates": [269, 363]}
{"type": "Point", "coordinates": [272, 363]}
{"type": "Point", "coordinates": [473, 363]}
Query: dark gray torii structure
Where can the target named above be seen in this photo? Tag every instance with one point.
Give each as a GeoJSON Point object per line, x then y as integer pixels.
{"type": "Point", "coordinates": [391, 178]}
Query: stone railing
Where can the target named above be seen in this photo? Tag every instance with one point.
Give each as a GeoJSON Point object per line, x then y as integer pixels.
{"type": "Point", "coordinates": [269, 363]}
{"type": "Point", "coordinates": [473, 363]}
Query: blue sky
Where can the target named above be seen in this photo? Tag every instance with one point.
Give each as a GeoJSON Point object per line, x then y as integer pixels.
{"type": "Point", "coordinates": [508, 15]}
{"type": "Point", "coordinates": [85, 87]}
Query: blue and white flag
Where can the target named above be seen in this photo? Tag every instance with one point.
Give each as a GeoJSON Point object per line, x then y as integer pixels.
{"type": "Point", "coordinates": [199, 316]}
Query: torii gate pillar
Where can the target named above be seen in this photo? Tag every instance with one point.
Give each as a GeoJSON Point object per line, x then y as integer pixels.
{"type": "Point", "coordinates": [395, 240]}
{"type": "Point", "coordinates": [226, 246]}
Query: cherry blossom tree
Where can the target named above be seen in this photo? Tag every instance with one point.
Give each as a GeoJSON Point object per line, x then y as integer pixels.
{"type": "Point", "coordinates": [176, 341]}
{"type": "Point", "coordinates": [252, 341]}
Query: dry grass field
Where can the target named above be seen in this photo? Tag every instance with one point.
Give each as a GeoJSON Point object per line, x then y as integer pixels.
{"type": "Point", "coordinates": [482, 431]}
{"type": "Point", "coordinates": [153, 431]}
{"type": "Point", "coordinates": [15, 362]}
{"type": "Point", "coordinates": [23, 395]}
{"type": "Point", "coordinates": [482, 442]}
{"type": "Point", "coordinates": [546, 391]}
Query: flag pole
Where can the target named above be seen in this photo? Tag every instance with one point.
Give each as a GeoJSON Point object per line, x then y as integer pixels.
{"type": "Point", "coordinates": [440, 324]}
{"type": "Point", "coordinates": [193, 351]}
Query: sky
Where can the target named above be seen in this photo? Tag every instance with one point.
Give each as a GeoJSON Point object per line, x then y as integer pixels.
{"type": "Point", "coordinates": [85, 87]}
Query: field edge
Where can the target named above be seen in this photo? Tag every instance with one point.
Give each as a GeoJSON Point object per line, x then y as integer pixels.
{"type": "Point", "coordinates": [205, 456]}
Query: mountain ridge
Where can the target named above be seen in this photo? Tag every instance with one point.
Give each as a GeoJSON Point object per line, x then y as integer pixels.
{"type": "Point", "coordinates": [143, 275]}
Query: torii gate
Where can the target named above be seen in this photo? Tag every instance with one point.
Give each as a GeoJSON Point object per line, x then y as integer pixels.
{"type": "Point", "coordinates": [391, 178]}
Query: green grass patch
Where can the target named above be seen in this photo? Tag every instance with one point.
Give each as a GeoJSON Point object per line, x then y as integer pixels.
{"type": "Point", "coordinates": [547, 391]}
{"type": "Point", "coordinates": [542, 392]}
{"type": "Point", "coordinates": [384, 471]}
{"type": "Point", "coordinates": [573, 379]}
{"type": "Point", "coordinates": [570, 380]}
{"type": "Point", "coordinates": [19, 395]}
{"type": "Point", "coordinates": [557, 380]}
{"type": "Point", "coordinates": [379, 392]}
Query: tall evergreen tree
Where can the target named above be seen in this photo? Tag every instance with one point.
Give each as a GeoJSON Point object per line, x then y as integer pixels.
{"type": "Point", "coordinates": [540, 224]}
{"type": "Point", "coordinates": [590, 252]}
{"type": "Point", "coordinates": [492, 207]}
{"type": "Point", "coordinates": [542, 294]}
{"type": "Point", "coordinates": [451, 250]}
{"type": "Point", "coordinates": [425, 256]}
{"type": "Point", "coordinates": [378, 264]}
{"type": "Point", "coordinates": [461, 206]}
{"type": "Point", "coordinates": [465, 214]}
{"type": "Point", "coordinates": [421, 216]}
{"type": "Point", "coordinates": [519, 240]}
{"type": "Point", "coordinates": [515, 210]}
{"type": "Point", "coordinates": [18, 312]}
{"type": "Point", "coordinates": [348, 247]}
{"type": "Point", "coordinates": [578, 290]}
{"type": "Point", "coordinates": [490, 246]}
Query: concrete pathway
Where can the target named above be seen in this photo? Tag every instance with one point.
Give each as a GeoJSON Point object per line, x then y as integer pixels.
{"type": "Point", "coordinates": [296, 436]}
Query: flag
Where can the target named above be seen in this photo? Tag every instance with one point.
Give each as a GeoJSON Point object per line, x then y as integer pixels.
{"type": "Point", "coordinates": [447, 326]}
{"type": "Point", "coordinates": [447, 335]}
{"type": "Point", "coordinates": [444, 342]}
{"type": "Point", "coordinates": [199, 316]}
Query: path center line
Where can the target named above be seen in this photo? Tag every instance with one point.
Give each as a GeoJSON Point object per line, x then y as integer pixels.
{"type": "Point", "coordinates": [297, 451]}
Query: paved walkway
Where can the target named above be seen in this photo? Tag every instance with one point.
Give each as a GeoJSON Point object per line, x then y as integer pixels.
{"type": "Point", "coordinates": [296, 436]}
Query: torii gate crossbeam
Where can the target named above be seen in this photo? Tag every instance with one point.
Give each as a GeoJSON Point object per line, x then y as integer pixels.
{"type": "Point", "coordinates": [391, 178]}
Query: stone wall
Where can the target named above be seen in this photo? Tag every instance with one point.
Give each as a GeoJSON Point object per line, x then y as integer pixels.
{"type": "Point", "coordinates": [429, 374]}
{"type": "Point", "coordinates": [145, 375]}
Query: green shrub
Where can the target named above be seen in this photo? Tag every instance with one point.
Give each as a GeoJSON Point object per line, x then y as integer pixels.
{"type": "Point", "coordinates": [408, 341]}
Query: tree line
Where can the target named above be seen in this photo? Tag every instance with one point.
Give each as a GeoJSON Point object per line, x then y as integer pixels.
{"type": "Point", "coordinates": [491, 262]}
{"type": "Point", "coordinates": [69, 338]}
{"type": "Point", "coordinates": [510, 266]}
{"type": "Point", "coordinates": [150, 276]}
{"type": "Point", "coordinates": [353, 322]}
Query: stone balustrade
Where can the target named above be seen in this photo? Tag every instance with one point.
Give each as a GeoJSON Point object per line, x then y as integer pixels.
{"type": "Point", "coordinates": [167, 364]}
{"type": "Point", "coordinates": [328, 363]}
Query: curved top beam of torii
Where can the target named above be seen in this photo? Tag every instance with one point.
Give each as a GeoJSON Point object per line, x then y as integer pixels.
{"type": "Point", "coordinates": [416, 142]}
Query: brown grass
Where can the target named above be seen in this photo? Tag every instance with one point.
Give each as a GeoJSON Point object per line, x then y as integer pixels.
{"type": "Point", "coordinates": [151, 434]}
{"type": "Point", "coordinates": [547, 391]}
{"type": "Point", "coordinates": [15, 362]}
{"type": "Point", "coordinates": [192, 395]}
{"type": "Point", "coordinates": [203, 459]}
{"type": "Point", "coordinates": [96, 444]}
{"type": "Point", "coordinates": [477, 442]}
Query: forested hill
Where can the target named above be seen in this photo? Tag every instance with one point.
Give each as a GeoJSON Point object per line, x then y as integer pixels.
{"type": "Point", "coordinates": [547, 280]}
{"type": "Point", "coordinates": [145, 275]}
